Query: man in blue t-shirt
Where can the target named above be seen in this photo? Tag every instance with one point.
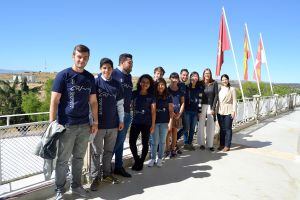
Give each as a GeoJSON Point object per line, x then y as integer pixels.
{"type": "Point", "coordinates": [73, 94]}
{"type": "Point", "coordinates": [122, 74]}
{"type": "Point", "coordinates": [111, 115]}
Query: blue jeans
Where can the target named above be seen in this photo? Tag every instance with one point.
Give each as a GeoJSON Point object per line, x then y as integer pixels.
{"type": "Point", "coordinates": [119, 146]}
{"type": "Point", "coordinates": [190, 120]}
{"type": "Point", "coordinates": [73, 141]}
{"type": "Point", "coordinates": [225, 123]}
{"type": "Point", "coordinates": [159, 137]}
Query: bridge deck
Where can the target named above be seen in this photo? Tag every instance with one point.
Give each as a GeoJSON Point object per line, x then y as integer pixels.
{"type": "Point", "coordinates": [261, 165]}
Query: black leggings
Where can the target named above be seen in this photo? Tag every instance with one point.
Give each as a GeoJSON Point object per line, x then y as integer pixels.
{"type": "Point", "coordinates": [134, 134]}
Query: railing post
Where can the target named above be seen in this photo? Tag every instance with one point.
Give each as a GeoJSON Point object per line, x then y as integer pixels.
{"type": "Point", "coordinates": [7, 120]}
{"type": "Point", "coordinates": [0, 162]}
{"type": "Point", "coordinates": [256, 99]}
{"type": "Point", "coordinates": [276, 103]}
{"type": "Point", "coordinates": [290, 100]}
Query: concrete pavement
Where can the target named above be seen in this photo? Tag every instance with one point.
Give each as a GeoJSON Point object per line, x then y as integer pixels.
{"type": "Point", "coordinates": [262, 164]}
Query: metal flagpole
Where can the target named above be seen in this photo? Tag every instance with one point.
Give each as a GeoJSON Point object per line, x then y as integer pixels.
{"type": "Point", "coordinates": [236, 68]}
{"type": "Point", "coordinates": [267, 64]}
{"type": "Point", "coordinates": [257, 81]}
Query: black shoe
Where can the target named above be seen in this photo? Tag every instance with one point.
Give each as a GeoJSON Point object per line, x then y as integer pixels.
{"type": "Point", "coordinates": [94, 185]}
{"type": "Point", "coordinates": [140, 166]}
{"type": "Point", "coordinates": [121, 171]}
{"type": "Point", "coordinates": [135, 166]}
{"type": "Point", "coordinates": [212, 149]}
{"type": "Point", "coordinates": [179, 151]}
{"type": "Point", "coordinates": [202, 147]}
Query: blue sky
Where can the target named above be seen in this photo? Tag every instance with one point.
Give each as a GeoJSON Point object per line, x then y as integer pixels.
{"type": "Point", "coordinates": [173, 34]}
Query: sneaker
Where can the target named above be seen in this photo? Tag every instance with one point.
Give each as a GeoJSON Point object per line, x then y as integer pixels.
{"type": "Point", "coordinates": [159, 163]}
{"type": "Point", "coordinates": [80, 191]}
{"type": "Point", "coordinates": [179, 151]}
{"type": "Point", "coordinates": [192, 148]}
{"type": "Point", "coordinates": [110, 179]}
{"type": "Point", "coordinates": [226, 149]}
{"type": "Point", "coordinates": [186, 146]}
{"type": "Point", "coordinates": [94, 185]}
{"type": "Point", "coordinates": [173, 154]}
{"type": "Point", "coordinates": [59, 196]}
{"type": "Point", "coordinates": [212, 149]}
{"type": "Point", "coordinates": [121, 171]}
{"type": "Point", "coordinates": [167, 153]}
{"type": "Point", "coordinates": [151, 163]}
{"type": "Point", "coordinates": [202, 147]}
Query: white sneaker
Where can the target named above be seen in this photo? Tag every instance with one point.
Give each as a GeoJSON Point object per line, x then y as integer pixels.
{"type": "Point", "coordinates": [151, 163]}
{"type": "Point", "coordinates": [159, 163]}
{"type": "Point", "coordinates": [80, 191]}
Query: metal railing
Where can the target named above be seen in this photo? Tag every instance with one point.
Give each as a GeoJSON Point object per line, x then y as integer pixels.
{"type": "Point", "coordinates": [18, 141]}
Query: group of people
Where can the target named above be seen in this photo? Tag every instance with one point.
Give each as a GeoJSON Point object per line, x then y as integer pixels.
{"type": "Point", "coordinates": [101, 110]}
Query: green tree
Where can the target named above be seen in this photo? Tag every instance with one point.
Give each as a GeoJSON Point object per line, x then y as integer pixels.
{"type": "Point", "coordinates": [24, 85]}
{"type": "Point", "coordinates": [31, 104]}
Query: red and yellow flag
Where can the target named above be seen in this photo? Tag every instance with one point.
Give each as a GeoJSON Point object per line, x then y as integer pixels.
{"type": "Point", "coordinates": [223, 45]}
{"type": "Point", "coordinates": [246, 57]}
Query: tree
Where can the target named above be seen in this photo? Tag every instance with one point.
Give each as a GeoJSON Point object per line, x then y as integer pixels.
{"type": "Point", "coordinates": [24, 86]}
{"type": "Point", "coordinates": [31, 104]}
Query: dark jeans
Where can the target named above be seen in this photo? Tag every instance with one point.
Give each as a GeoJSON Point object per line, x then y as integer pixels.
{"type": "Point", "coordinates": [135, 131]}
{"type": "Point", "coordinates": [190, 120]}
{"type": "Point", "coordinates": [183, 131]}
{"type": "Point", "coordinates": [119, 146]}
{"type": "Point", "coordinates": [225, 123]}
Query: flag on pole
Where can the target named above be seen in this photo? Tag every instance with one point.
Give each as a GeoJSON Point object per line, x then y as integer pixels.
{"type": "Point", "coordinates": [223, 45]}
{"type": "Point", "coordinates": [247, 55]}
{"type": "Point", "coordinates": [260, 58]}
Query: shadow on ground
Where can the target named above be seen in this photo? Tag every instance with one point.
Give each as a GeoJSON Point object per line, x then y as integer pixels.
{"type": "Point", "coordinates": [188, 165]}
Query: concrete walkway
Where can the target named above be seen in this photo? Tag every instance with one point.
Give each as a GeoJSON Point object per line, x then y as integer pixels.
{"type": "Point", "coordinates": [261, 165]}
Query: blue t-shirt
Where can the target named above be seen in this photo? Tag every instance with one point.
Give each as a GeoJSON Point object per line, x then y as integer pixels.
{"type": "Point", "coordinates": [126, 82]}
{"type": "Point", "coordinates": [193, 98]}
{"type": "Point", "coordinates": [182, 87]}
{"type": "Point", "coordinates": [141, 105]}
{"type": "Point", "coordinates": [162, 109]}
{"type": "Point", "coordinates": [108, 94]}
{"type": "Point", "coordinates": [75, 89]}
{"type": "Point", "coordinates": [176, 96]}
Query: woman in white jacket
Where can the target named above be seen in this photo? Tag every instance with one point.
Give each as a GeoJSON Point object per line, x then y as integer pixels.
{"type": "Point", "coordinates": [226, 112]}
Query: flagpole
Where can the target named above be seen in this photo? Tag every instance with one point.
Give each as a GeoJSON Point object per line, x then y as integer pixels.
{"type": "Point", "coordinates": [267, 64]}
{"type": "Point", "coordinates": [236, 68]}
{"type": "Point", "coordinates": [257, 81]}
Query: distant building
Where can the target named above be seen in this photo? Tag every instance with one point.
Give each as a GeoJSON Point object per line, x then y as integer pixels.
{"type": "Point", "coordinates": [30, 78]}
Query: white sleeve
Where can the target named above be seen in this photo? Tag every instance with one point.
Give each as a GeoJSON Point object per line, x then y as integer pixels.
{"type": "Point", "coordinates": [120, 107]}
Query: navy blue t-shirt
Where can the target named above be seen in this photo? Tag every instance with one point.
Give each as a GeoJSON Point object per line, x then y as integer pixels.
{"type": "Point", "coordinates": [141, 105]}
{"type": "Point", "coordinates": [75, 89]}
{"type": "Point", "coordinates": [109, 92]}
{"type": "Point", "coordinates": [126, 82]}
{"type": "Point", "coordinates": [176, 96]}
{"type": "Point", "coordinates": [182, 87]}
{"type": "Point", "coordinates": [193, 98]}
{"type": "Point", "coordinates": [162, 109]}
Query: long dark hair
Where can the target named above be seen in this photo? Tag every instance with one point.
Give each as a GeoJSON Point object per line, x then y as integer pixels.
{"type": "Point", "coordinates": [165, 93]}
{"type": "Point", "coordinates": [151, 87]}
{"type": "Point", "coordinates": [226, 76]}
{"type": "Point", "coordinates": [211, 79]}
{"type": "Point", "coordinates": [198, 82]}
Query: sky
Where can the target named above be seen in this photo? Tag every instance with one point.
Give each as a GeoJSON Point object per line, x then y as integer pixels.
{"type": "Point", "coordinates": [40, 35]}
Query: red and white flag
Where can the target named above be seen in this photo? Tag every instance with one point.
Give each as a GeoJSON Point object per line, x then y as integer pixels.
{"type": "Point", "coordinates": [223, 45]}
{"type": "Point", "coordinates": [247, 55]}
{"type": "Point", "coordinates": [260, 58]}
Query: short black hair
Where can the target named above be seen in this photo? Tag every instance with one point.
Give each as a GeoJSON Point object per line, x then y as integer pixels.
{"type": "Point", "coordinates": [106, 61]}
{"type": "Point", "coordinates": [81, 48]}
{"type": "Point", "coordinates": [174, 75]}
{"type": "Point", "coordinates": [123, 57]}
{"type": "Point", "coordinates": [184, 70]}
